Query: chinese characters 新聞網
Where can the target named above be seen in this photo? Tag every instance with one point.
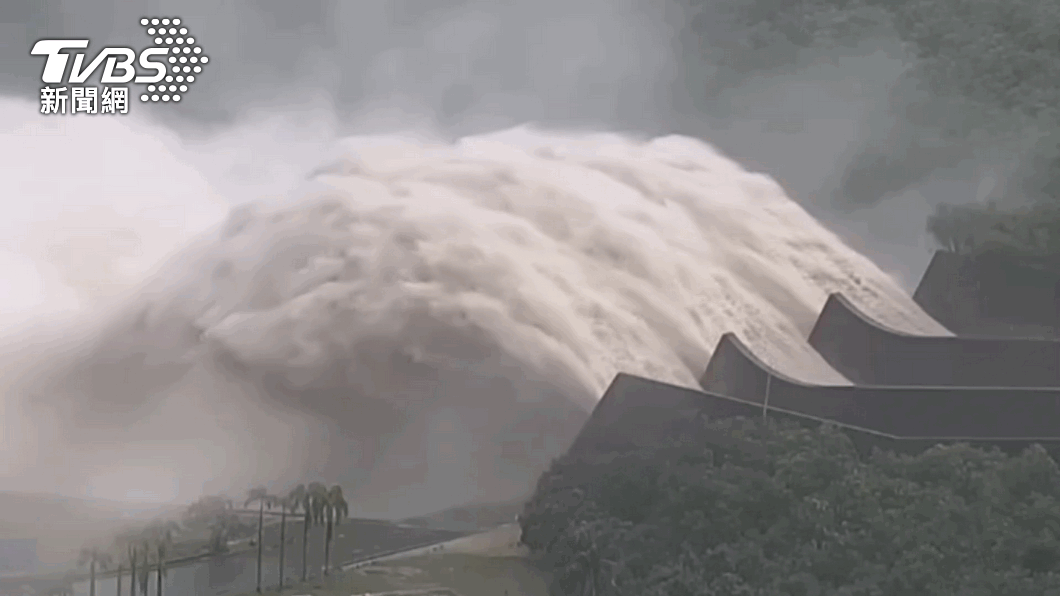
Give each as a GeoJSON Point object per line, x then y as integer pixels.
{"type": "Point", "coordinates": [84, 100]}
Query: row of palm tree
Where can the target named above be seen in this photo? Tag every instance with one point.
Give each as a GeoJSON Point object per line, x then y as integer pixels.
{"type": "Point", "coordinates": [143, 553]}
{"type": "Point", "coordinates": [318, 505]}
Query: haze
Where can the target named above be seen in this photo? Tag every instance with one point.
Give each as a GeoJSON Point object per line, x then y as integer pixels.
{"type": "Point", "coordinates": [164, 338]}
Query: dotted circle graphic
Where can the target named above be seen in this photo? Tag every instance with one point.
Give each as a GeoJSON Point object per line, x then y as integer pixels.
{"type": "Point", "coordinates": [167, 34]}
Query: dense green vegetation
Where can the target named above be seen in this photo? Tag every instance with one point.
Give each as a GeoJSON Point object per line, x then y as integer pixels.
{"type": "Point", "coordinates": [1032, 231]}
{"type": "Point", "coordinates": [782, 511]}
{"type": "Point", "coordinates": [997, 53]}
{"type": "Point", "coordinates": [997, 64]}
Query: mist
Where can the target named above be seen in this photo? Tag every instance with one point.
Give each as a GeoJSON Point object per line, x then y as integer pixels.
{"type": "Point", "coordinates": [428, 321]}
{"type": "Point", "coordinates": [322, 263]}
{"type": "Point", "coordinates": [883, 150]}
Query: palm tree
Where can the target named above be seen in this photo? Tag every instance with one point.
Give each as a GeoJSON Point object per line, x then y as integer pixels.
{"type": "Point", "coordinates": [132, 553]}
{"type": "Point", "coordinates": [125, 549]}
{"type": "Point", "coordinates": [263, 498]}
{"type": "Point", "coordinates": [218, 514]}
{"type": "Point", "coordinates": [160, 536]}
{"type": "Point", "coordinates": [329, 507]}
{"type": "Point", "coordinates": [302, 499]}
{"type": "Point", "coordinates": [316, 499]}
{"type": "Point", "coordinates": [289, 503]}
{"type": "Point", "coordinates": [145, 564]}
{"type": "Point", "coordinates": [93, 557]}
{"type": "Point", "coordinates": [119, 575]}
{"type": "Point", "coordinates": [160, 562]}
{"type": "Point", "coordinates": [121, 543]}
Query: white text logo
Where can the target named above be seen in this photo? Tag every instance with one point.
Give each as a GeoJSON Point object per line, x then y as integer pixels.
{"type": "Point", "coordinates": [172, 63]}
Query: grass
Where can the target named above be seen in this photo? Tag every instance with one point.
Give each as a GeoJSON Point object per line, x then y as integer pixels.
{"type": "Point", "coordinates": [456, 573]}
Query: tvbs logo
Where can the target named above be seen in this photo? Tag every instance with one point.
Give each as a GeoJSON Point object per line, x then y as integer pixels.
{"type": "Point", "coordinates": [116, 59]}
{"type": "Point", "coordinates": [167, 69]}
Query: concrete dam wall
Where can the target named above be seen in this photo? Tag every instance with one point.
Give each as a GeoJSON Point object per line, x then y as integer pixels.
{"type": "Point", "coordinates": [619, 423]}
{"type": "Point", "coordinates": [992, 295]}
{"type": "Point", "coordinates": [996, 382]}
{"type": "Point", "coordinates": [908, 411]}
{"type": "Point", "coordinates": [868, 353]}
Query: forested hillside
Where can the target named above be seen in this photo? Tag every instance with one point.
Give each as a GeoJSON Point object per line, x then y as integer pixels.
{"type": "Point", "coordinates": [792, 511]}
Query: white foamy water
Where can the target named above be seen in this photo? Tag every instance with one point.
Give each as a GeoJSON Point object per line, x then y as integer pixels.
{"type": "Point", "coordinates": [440, 304]}
{"type": "Point", "coordinates": [588, 255]}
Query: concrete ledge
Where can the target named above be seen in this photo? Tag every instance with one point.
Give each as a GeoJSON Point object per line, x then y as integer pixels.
{"type": "Point", "coordinates": [992, 295]}
{"type": "Point", "coordinates": [869, 353]}
{"type": "Point", "coordinates": [618, 425]}
{"type": "Point", "coordinates": [902, 411]}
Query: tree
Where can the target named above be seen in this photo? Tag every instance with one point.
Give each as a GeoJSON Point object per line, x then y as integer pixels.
{"type": "Point", "coordinates": [93, 558]}
{"type": "Point", "coordinates": [329, 507]}
{"type": "Point", "coordinates": [283, 503]}
{"type": "Point", "coordinates": [302, 499]}
{"type": "Point", "coordinates": [584, 565]}
{"type": "Point", "coordinates": [995, 53]}
{"type": "Point", "coordinates": [119, 575]}
{"type": "Point", "coordinates": [263, 498]}
{"type": "Point", "coordinates": [287, 503]}
{"type": "Point", "coordinates": [159, 537]}
{"type": "Point", "coordinates": [996, 62]}
{"type": "Point", "coordinates": [1030, 232]}
{"type": "Point", "coordinates": [811, 517]}
{"type": "Point", "coordinates": [133, 553]}
{"type": "Point", "coordinates": [217, 513]}
{"type": "Point", "coordinates": [124, 546]}
{"type": "Point", "coordinates": [145, 564]}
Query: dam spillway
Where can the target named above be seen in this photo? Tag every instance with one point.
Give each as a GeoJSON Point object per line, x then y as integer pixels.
{"type": "Point", "coordinates": [908, 389]}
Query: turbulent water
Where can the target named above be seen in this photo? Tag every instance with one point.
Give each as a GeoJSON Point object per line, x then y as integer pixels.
{"type": "Point", "coordinates": [427, 321]}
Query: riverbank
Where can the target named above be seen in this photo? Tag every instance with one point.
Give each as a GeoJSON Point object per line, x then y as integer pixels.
{"type": "Point", "coordinates": [200, 553]}
{"type": "Point", "coordinates": [355, 539]}
{"type": "Point", "coordinates": [43, 582]}
{"type": "Point", "coordinates": [484, 564]}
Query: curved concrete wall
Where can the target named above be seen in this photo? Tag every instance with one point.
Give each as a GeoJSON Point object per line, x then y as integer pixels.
{"type": "Point", "coordinates": [635, 412]}
{"type": "Point", "coordinates": [735, 372]}
{"type": "Point", "coordinates": [911, 392]}
{"type": "Point", "coordinates": [992, 295]}
{"type": "Point", "coordinates": [868, 353]}
{"type": "Point", "coordinates": [966, 412]}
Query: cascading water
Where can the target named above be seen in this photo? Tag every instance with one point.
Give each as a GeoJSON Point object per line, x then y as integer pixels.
{"type": "Point", "coordinates": [429, 322]}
